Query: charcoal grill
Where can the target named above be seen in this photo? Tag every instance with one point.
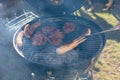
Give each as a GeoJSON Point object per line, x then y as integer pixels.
{"type": "Point", "coordinates": [87, 51]}
{"type": "Point", "coordinates": [63, 67]}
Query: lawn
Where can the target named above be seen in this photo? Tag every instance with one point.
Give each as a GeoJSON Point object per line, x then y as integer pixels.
{"type": "Point", "coordinates": [108, 65]}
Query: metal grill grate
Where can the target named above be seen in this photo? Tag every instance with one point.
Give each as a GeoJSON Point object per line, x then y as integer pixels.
{"type": "Point", "coordinates": [47, 56]}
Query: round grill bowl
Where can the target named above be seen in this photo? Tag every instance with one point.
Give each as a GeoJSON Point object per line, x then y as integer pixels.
{"type": "Point", "coordinates": [81, 56]}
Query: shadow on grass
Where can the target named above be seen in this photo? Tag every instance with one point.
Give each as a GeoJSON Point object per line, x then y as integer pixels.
{"type": "Point", "coordinates": [114, 35]}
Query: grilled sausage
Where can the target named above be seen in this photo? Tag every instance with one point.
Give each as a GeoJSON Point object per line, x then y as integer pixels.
{"type": "Point", "coordinates": [19, 38]}
{"type": "Point", "coordinates": [68, 47]}
{"type": "Point", "coordinates": [27, 31]}
{"type": "Point", "coordinates": [34, 26]}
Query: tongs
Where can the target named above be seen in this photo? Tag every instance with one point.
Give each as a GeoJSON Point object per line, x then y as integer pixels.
{"type": "Point", "coordinates": [68, 47]}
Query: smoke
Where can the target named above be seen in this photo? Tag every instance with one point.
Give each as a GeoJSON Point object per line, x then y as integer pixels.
{"type": "Point", "coordinates": [12, 66]}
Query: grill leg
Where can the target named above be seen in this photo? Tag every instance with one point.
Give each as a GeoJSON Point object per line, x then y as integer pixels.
{"type": "Point", "coordinates": [86, 76]}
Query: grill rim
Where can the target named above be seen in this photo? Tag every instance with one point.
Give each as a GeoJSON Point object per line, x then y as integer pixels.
{"type": "Point", "coordinates": [97, 27]}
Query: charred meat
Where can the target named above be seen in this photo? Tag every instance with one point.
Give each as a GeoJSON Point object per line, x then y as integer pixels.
{"type": "Point", "coordinates": [39, 39]}
{"type": "Point", "coordinates": [47, 30]}
{"type": "Point", "coordinates": [68, 27]}
{"type": "Point", "coordinates": [56, 37]}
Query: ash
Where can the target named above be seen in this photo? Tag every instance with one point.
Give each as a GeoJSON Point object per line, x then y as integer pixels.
{"type": "Point", "coordinates": [51, 58]}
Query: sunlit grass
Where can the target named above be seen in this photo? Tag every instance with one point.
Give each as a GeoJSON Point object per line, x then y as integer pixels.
{"type": "Point", "coordinates": [110, 59]}
{"type": "Point", "coordinates": [108, 17]}
{"type": "Point", "coordinates": [108, 65]}
{"type": "Point", "coordinates": [90, 14]}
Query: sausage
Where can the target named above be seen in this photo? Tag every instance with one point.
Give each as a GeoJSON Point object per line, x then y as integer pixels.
{"type": "Point", "coordinates": [34, 26]}
{"type": "Point", "coordinates": [68, 47]}
{"type": "Point", "coordinates": [19, 38]}
{"type": "Point", "coordinates": [27, 31]}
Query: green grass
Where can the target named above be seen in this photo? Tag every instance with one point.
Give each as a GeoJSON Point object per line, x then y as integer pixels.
{"type": "Point", "coordinates": [109, 62]}
{"type": "Point", "coordinates": [108, 65]}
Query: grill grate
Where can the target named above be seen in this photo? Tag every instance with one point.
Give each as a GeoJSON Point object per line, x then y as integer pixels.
{"type": "Point", "coordinates": [46, 55]}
